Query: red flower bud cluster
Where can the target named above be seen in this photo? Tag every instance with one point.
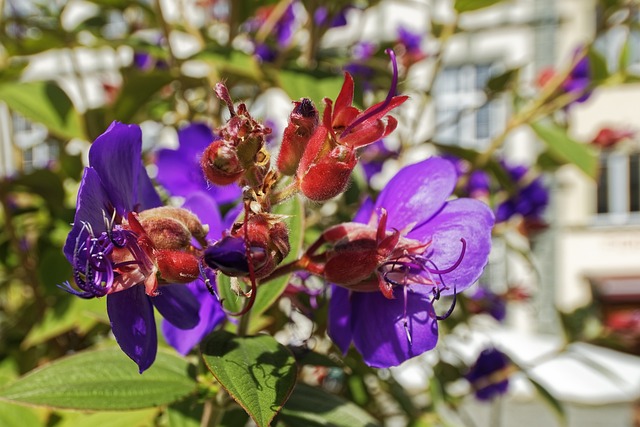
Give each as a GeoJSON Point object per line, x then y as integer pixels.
{"type": "Point", "coordinates": [240, 153]}
{"type": "Point", "coordinates": [330, 154]}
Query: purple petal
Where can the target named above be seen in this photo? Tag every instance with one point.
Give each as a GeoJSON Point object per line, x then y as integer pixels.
{"type": "Point", "coordinates": [193, 139]}
{"type": "Point", "coordinates": [178, 305]}
{"type": "Point", "coordinates": [417, 192]}
{"type": "Point", "coordinates": [364, 213]}
{"type": "Point", "coordinates": [91, 207]}
{"type": "Point", "coordinates": [206, 209]}
{"type": "Point", "coordinates": [147, 195]}
{"type": "Point", "coordinates": [461, 218]}
{"type": "Point", "coordinates": [116, 155]}
{"type": "Point", "coordinates": [178, 174]}
{"type": "Point", "coordinates": [339, 327]}
{"type": "Point", "coordinates": [211, 315]}
{"type": "Point", "coordinates": [378, 327]}
{"type": "Point", "coordinates": [133, 325]}
{"type": "Point", "coordinates": [231, 216]}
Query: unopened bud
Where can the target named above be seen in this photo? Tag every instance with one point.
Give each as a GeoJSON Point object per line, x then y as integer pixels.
{"type": "Point", "coordinates": [177, 267]}
{"type": "Point", "coordinates": [220, 163]}
{"type": "Point", "coordinates": [303, 122]}
{"type": "Point", "coordinates": [172, 228]}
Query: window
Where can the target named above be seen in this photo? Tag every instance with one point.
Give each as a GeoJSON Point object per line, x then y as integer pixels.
{"type": "Point", "coordinates": [618, 198]}
{"type": "Point", "coordinates": [463, 115]}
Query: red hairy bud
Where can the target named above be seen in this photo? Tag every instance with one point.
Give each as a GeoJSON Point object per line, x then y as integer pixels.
{"type": "Point", "coordinates": [177, 267]}
{"type": "Point", "coordinates": [325, 167]}
{"type": "Point", "coordinates": [268, 236]}
{"type": "Point", "coordinates": [220, 163]}
{"type": "Point", "coordinates": [303, 122]}
{"type": "Point", "coordinates": [172, 228]}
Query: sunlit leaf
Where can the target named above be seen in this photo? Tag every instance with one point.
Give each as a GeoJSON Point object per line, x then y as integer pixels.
{"type": "Point", "coordinates": [258, 372]}
{"type": "Point", "coordinates": [310, 84]}
{"type": "Point", "coordinates": [313, 407]}
{"type": "Point", "coordinates": [103, 380]}
{"type": "Point", "coordinates": [470, 5]}
{"type": "Point", "coordinates": [565, 149]}
{"type": "Point", "coordinates": [139, 418]}
{"type": "Point", "coordinates": [46, 103]}
{"type": "Point", "coordinates": [12, 415]}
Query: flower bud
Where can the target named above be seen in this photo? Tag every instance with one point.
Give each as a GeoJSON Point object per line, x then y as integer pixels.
{"type": "Point", "coordinates": [324, 171]}
{"type": "Point", "coordinates": [172, 228]}
{"type": "Point", "coordinates": [303, 122]}
{"type": "Point", "coordinates": [220, 163]}
{"type": "Point", "coordinates": [177, 267]}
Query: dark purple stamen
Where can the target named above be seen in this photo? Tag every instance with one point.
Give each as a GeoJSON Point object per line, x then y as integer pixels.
{"type": "Point", "coordinates": [305, 108]}
{"type": "Point", "coordinates": [385, 103]}
{"type": "Point", "coordinates": [454, 266]}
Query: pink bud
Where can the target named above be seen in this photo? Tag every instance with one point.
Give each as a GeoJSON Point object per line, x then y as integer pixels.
{"type": "Point", "coordinates": [303, 121]}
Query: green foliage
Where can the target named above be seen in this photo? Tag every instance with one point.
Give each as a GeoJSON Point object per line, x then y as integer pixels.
{"type": "Point", "coordinates": [471, 5]}
{"type": "Point", "coordinates": [46, 103]}
{"type": "Point", "coordinates": [103, 380]}
{"type": "Point", "coordinates": [258, 372]}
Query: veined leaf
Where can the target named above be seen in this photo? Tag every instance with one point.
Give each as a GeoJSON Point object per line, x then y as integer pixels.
{"type": "Point", "coordinates": [258, 372]}
{"type": "Point", "coordinates": [103, 380]}
{"type": "Point", "coordinates": [313, 407]}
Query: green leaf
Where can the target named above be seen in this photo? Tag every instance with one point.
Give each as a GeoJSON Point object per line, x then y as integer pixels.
{"type": "Point", "coordinates": [230, 300]}
{"type": "Point", "coordinates": [46, 103]}
{"type": "Point", "coordinates": [138, 88]}
{"type": "Point", "coordinates": [470, 5]}
{"type": "Point", "coordinates": [139, 418]}
{"type": "Point", "coordinates": [269, 292]}
{"type": "Point", "coordinates": [258, 372]}
{"type": "Point", "coordinates": [548, 398]}
{"type": "Point", "coordinates": [186, 413]}
{"type": "Point", "coordinates": [565, 149]}
{"type": "Point", "coordinates": [69, 314]}
{"type": "Point", "coordinates": [12, 415]}
{"type": "Point", "coordinates": [504, 81]}
{"type": "Point", "coordinates": [311, 407]}
{"type": "Point", "coordinates": [103, 380]}
{"type": "Point", "coordinates": [598, 69]}
{"type": "Point", "coordinates": [310, 84]}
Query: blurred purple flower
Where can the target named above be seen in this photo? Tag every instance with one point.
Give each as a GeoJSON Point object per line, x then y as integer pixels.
{"type": "Point", "coordinates": [114, 185]}
{"type": "Point", "coordinates": [339, 19]}
{"type": "Point", "coordinates": [489, 376]}
{"type": "Point", "coordinates": [484, 300]}
{"type": "Point", "coordinates": [179, 170]}
{"type": "Point", "coordinates": [579, 80]}
{"type": "Point", "coordinates": [529, 201]}
{"type": "Point", "coordinates": [452, 240]}
{"type": "Point", "coordinates": [410, 40]}
{"type": "Point", "coordinates": [372, 158]}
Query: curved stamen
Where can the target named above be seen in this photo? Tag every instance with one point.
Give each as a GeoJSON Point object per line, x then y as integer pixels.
{"type": "Point", "coordinates": [454, 266]}
{"type": "Point", "coordinates": [453, 305]}
{"type": "Point", "coordinates": [385, 103]}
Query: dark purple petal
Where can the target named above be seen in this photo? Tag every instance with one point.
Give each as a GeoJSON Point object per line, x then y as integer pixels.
{"type": "Point", "coordinates": [133, 325]}
{"type": "Point", "coordinates": [339, 327]}
{"type": "Point", "coordinates": [211, 315]}
{"type": "Point", "coordinates": [147, 195]}
{"type": "Point", "coordinates": [489, 362]}
{"type": "Point", "coordinates": [206, 209]}
{"type": "Point", "coordinates": [231, 216]}
{"type": "Point", "coordinates": [115, 155]}
{"type": "Point", "coordinates": [143, 61]}
{"type": "Point", "coordinates": [91, 208]}
{"type": "Point", "coordinates": [417, 192]}
{"type": "Point", "coordinates": [178, 305]}
{"type": "Point", "coordinates": [378, 327]}
{"type": "Point", "coordinates": [466, 219]}
{"type": "Point", "coordinates": [228, 255]}
{"type": "Point", "coordinates": [193, 139]}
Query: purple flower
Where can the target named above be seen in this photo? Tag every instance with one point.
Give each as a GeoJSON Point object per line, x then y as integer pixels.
{"type": "Point", "coordinates": [373, 156]}
{"type": "Point", "coordinates": [485, 301]}
{"type": "Point", "coordinates": [339, 19]}
{"type": "Point", "coordinates": [530, 200]}
{"type": "Point", "coordinates": [179, 171]}
{"type": "Point", "coordinates": [110, 257]}
{"type": "Point", "coordinates": [441, 248]}
{"type": "Point", "coordinates": [410, 40]}
{"type": "Point", "coordinates": [579, 80]}
{"type": "Point", "coordinates": [489, 375]}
